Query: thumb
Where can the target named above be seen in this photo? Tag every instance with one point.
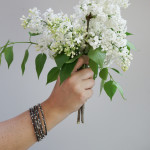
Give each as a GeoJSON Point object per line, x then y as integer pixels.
{"type": "Point", "coordinates": [81, 61]}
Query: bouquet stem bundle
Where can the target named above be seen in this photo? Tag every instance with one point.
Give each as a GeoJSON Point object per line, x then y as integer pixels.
{"type": "Point", "coordinates": [80, 117]}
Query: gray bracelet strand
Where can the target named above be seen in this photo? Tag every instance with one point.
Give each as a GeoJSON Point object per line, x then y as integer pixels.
{"type": "Point", "coordinates": [32, 115]}
{"type": "Point", "coordinates": [39, 124]}
{"type": "Point", "coordinates": [43, 118]}
{"type": "Point", "coordinates": [37, 121]}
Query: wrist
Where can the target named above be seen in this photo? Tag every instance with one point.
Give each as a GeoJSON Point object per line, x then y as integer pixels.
{"type": "Point", "coordinates": [53, 116]}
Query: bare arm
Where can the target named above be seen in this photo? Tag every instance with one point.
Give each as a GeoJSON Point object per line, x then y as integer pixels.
{"type": "Point", "coordinates": [18, 133]}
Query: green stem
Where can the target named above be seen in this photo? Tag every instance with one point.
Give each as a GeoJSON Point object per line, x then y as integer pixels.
{"type": "Point", "coordinates": [2, 48]}
{"type": "Point", "coordinates": [20, 43]}
{"type": "Point", "coordinates": [111, 78]}
{"type": "Point", "coordinates": [29, 46]}
{"type": "Point", "coordinates": [23, 42]}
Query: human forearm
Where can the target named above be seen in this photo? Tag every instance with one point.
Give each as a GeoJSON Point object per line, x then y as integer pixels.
{"type": "Point", "coordinates": [18, 133]}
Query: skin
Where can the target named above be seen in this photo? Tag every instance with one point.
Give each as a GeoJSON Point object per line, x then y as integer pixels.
{"type": "Point", "coordinates": [18, 132]}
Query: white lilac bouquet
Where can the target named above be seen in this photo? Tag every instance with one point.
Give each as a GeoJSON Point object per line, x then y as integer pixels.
{"type": "Point", "coordinates": [96, 29]}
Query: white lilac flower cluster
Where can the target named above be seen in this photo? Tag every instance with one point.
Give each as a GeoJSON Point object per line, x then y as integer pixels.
{"type": "Point", "coordinates": [62, 33]}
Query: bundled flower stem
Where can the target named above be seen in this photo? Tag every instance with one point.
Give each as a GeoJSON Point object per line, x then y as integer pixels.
{"type": "Point", "coordinates": [81, 110]}
{"type": "Point", "coordinates": [80, 117]}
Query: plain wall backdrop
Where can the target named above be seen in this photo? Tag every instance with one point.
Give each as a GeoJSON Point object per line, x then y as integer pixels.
{"type": "Point", "coordinates": [116, 125]}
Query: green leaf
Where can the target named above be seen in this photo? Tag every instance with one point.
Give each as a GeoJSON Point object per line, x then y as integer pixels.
{"type": "Point", "coordinates": [128, 34]}
{"type": "Point", "coordinates": [116, 71]}
{"type": "Point", "coordinates": [110, 88]}
{"type": "Point", "coordinates": [94, 67]}
{"type": "Point", "coordinates": [60, 59]}
{"type": "Point", "coordinates": [102, 85]}
{"type": "Point", "coordinates": [34, 34]}
{"type": "Point", "coordinates": [104, 73]}
{"type": "Point", "coordinates": [73, 59]}
{"type": "Point", "coordinates": [97, 56]}
{"type": "Point", "coordinates": [9, 55]}
{"type": "Point", "coordinates": [130, 46]}
{"type": "Point", "coordinates": [53, 74]}
{"type": "Point", "coordinates": [26, 56]}
{"type": "Point", "coordinates": [120, 90]}
{"type": "Point", "coordinates": [5, 46]}
{"type": "Point", "coordinates": [66, 71]}
{"type": "Point", "coordinates": [40, 62]}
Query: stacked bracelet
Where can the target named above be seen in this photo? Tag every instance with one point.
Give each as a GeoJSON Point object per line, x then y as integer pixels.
{"type": "Point", "coordinates": [37, 117]}
{"type": "Point", "coordinates": [43, 118]}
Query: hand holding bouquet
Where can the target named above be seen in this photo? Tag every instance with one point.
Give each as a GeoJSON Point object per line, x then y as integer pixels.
{"type": "Point", "coordinates": [95, 29]}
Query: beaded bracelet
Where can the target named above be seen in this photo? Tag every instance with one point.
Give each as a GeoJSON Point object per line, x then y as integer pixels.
{"type": "Point", "coordinates": [34, 123]}
{"type": "Point", "coordinates": [39, 124]}
{"type": "Point", "coordinates": [38, 135]}
{"type": "Point", "coordinates": [37, 121]}
{"type": "Point", "coordinates": [40, 107]}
